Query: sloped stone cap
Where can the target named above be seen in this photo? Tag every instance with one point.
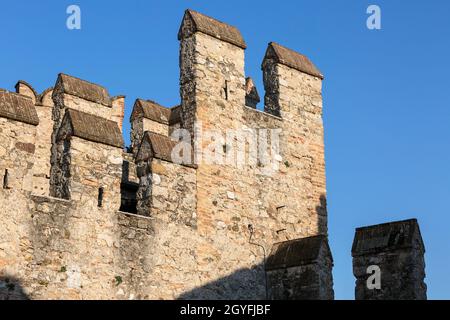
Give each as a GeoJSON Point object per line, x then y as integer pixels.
{"type": "Point", "coordinates": [92, 128]}
{"type": "Point", "coordinates": [298, 252]}
{"type": "Point", "coordinates": [83, 89]}
{"type": "Point", "coordinates": [151, 110]}
{"type": "Point", "coordinates": [292, 59]}
{"type": "Point", "coordinates": [18, 107]}
{"type": "Point", "coordinates": [387, 237]}
{"type": "Point", "coordinates": [196, 22]}
{"type": "Point", "coordinates": [158, 146]}
{"type": "Point", "coordinates": [161, 146]}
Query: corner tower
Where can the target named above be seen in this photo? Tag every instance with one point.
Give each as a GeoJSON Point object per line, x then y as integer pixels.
{"type": "Point", "coordinates": [243, 210]}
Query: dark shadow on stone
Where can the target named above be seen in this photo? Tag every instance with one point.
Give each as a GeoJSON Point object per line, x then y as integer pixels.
{"type": "Point", "coordinates": [128, 190]}
{"type": "Point", "coordinates": [11, 289]}
{"type": "Point", "coordinates": [243, 284]}
{"type": "Point", "coordinates": [128, 201]}
{"type": "Point", "coordinates": [298, 269]}
{"type": "Point", "coordinates": [322, 215]}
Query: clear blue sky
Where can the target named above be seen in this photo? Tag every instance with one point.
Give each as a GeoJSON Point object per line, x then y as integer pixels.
{"type": "Point", "coordinates": [386, 93]}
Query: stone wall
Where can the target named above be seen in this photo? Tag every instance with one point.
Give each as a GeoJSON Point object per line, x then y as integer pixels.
{"type": "Point", "coordinates": [66, 250]}
{"type": "Point", "coordinates": [203, 231]}
{"type": "Point", "coordinates": [17, 154]}
{"type": "Point", "coordinates": [93, 166]}
{"type": "Point", "coordinates": [168, 191]}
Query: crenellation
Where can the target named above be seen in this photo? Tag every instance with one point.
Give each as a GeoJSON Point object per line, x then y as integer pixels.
{"type": "Point", "coordinates": [154, 226]}
{"type": "Point", "coordinates": [150, 116]}
{"type": "Point", "coordinates": [24, 88]}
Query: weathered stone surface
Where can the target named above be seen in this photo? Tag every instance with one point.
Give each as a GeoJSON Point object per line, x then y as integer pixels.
{"type": "Point", "coordinates": [301, 270]}
{"type": "Point", "coordinates": [161, 147]}
{"type": "Point", "coordinates": [397, 249]}
{"type": "Point", "coordinates": [17, 107]}
{"type": "Point", "coordinates": [290, 200]}
{"type": "Point", "coordinates": [148, 115]}
{"type": "Point", "coordinates": [292, 59]}
{"type": "Point", "coordinates": [17, 140]}
{"type": "Point", "coordinates": [118, 110]}
{"type": "Point", "coordinates": [196, 22]}
{"type": "Point", "coordinates": [190, 237]}
{"type": "Point", "coordinates": [41, 168]}
{"type": "Point", "coordinates": [26, 89]}
{"type": "Point", "coordinates": [83, 89]}
{"type": "Point", "coordinates": [90, 127]}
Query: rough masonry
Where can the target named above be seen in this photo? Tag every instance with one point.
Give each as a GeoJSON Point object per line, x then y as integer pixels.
{"type": "Point", "coordinates": [396, 249]}
{"type": "Point", "coordinates": [86, 218]}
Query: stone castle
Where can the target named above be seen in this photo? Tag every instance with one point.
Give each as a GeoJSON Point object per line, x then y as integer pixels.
{"type": "Point", "coordinates": [83, 217]}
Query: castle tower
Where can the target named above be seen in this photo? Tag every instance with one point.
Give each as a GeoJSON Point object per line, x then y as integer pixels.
{"type": "Point", "coordinates": [245, 208]}
{"type": "Point", "coordinates": [293, 91]}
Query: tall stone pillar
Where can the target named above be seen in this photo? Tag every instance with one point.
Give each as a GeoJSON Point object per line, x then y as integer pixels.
{"type": "Point", "coordinates": [388, 262]}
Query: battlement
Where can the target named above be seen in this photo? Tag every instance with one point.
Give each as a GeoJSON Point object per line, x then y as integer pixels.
{"type": "Point", "coordinates": [184, 223]}
{"type": "Point", "coordinates": [89, 127]}
{"type": "Point", "coordinates": [150, 116]}
{"type": "Point", "coordinates": [17, 107]}
{"type": "Point", "coordinates": [82, 89]}
{"type": "Point", "coordinates": [194, 22]}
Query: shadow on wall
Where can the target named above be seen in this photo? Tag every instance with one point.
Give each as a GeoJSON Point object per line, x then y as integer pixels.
{"type": "Point", "coordinates": [11, 289]}
{"type": "Point", "coordinates": [322, 215]}
{"type": "Point", "coordinates": [242, 284]}
{"type": "Point", "coordinates": [248, 283]}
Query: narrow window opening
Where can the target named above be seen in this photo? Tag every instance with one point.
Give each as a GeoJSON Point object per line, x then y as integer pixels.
{"type": "Point", "coordinates": [100, 197]}
{"type": "Point", "coordinates": [6, 180]}
{"type": "Point", "coordinates": [225, 90]}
